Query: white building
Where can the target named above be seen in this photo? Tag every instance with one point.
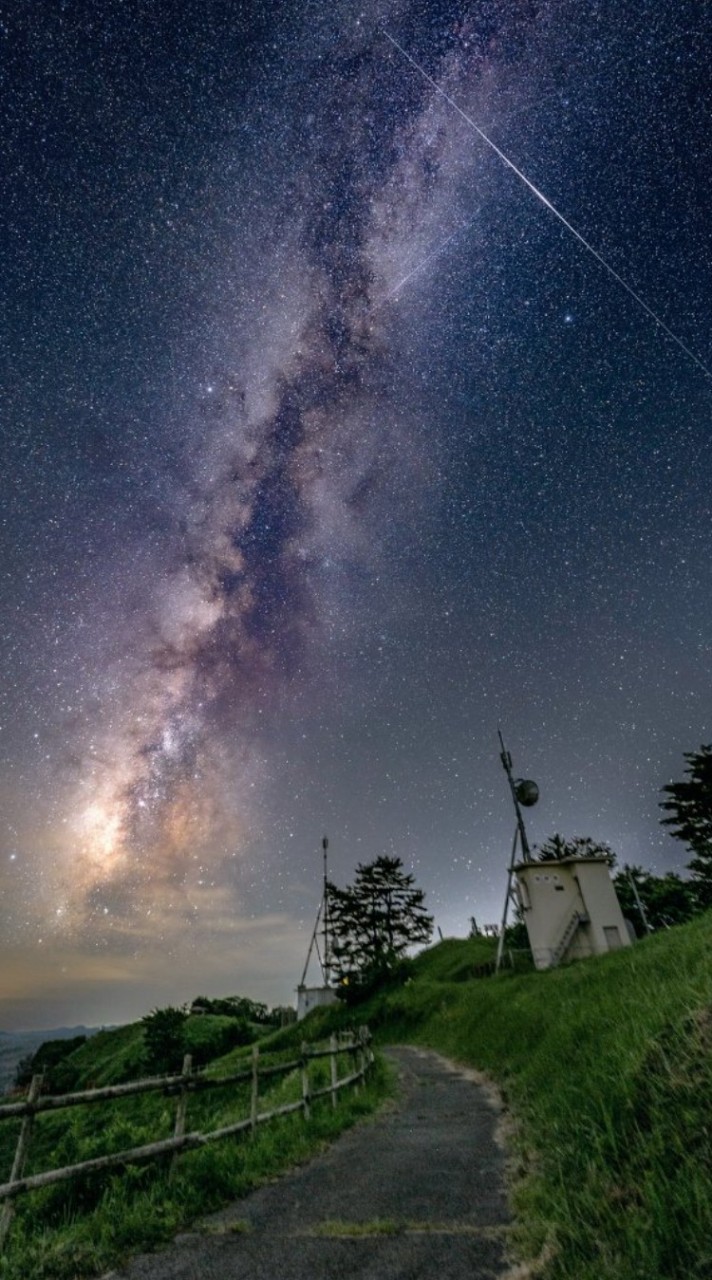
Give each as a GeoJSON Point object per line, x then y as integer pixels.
{"type": "Point", "coordinates": [309, 998]}
{"type": "Point", "coordinates": [570, 909]}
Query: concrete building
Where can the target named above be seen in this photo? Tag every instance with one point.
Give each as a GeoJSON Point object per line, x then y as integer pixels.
{"type": "Point", "coordinates": [570, 909]}
{"type": "Point", "coordinates": [309, 998]}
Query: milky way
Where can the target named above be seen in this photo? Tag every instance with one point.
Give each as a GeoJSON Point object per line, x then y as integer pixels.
{"type": "Point", "coordinates": [309, 438]}
{"type": "Point", "coordinates": [329, 452]}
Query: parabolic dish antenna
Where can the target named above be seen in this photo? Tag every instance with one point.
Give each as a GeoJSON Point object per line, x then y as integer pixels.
{"type": "Point", "coordinates": [526, 791]}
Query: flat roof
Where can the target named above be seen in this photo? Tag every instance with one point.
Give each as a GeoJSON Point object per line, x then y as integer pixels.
{"type": "Point", "coordinates": [561, 862]}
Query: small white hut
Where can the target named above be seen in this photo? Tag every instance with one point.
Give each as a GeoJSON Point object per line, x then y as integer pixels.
{"type": "Point", "coordinates": [570, 909]}
{"type": "Point", "coordinates": [309, 998]}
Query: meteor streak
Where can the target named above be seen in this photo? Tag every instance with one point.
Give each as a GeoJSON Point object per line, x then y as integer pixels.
{"type": "Point", "coordinates": [419, 266]}
{"type": "Point", "coordinates": [547, 203]}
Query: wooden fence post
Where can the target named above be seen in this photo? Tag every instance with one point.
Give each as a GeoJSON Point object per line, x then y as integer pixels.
{"type": "Point", "coordinates": [357, 1062]}
{"type": "Point", "coordinates": [181, 1108]}
{"type": "Point", "coordinates": [255, 1088]}
{"type": "Point", "coordinates": [305, 1081]}
{"type": "Point", "coordinates": [18, 1163]}
{"type": "Point", "coordinates": [364, 1036]}
{"type": "Point", "coordinates": [333, 1045]}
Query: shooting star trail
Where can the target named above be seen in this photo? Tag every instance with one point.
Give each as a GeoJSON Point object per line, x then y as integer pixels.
{"type": "Point", "coordinates": [419, 266]}
{"type": "Point", "coordinates": [552, 208]}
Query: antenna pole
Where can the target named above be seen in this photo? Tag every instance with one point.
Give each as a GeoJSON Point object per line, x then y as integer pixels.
{"type": "Point", "coordinates": [311, 944]}
{"type": "Point", "coordinates": [507, 896]}
{"type": "Point", "coordinates": [638, 902]}
{"type": "Point", "coordinates": [326, 963]}
{"type": "Point", "coordinates": [506, 759]}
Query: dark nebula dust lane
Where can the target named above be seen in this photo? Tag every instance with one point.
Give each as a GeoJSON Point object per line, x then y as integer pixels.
{"type": "Point", "coordinates": [327, 451]}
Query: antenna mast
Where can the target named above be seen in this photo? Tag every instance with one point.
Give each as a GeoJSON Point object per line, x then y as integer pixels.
{"type": "Point", "coordinates": [322, 916]}
{"type": "Point", "coordinates": [515, 788]}
{"type": "Point", "coordinates": [326, 962]}
{"type": "Point", "coordinates": [524, 792]}
{"type": "Point", "coordinates": [311, 946]}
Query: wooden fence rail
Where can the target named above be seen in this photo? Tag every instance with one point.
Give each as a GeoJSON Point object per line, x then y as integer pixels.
{"type": "Point", "coordinates": [182, 1085]}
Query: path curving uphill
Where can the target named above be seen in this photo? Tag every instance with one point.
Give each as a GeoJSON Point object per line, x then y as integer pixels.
{"type": "Point", "coordinates": [416, 1193]}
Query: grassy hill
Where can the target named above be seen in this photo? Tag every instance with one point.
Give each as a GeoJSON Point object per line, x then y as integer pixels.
{"type": "Point", "coordinates": [15, 1045]}
{"type": "Point", "coordinates": [116, 1055]}
{"type": "Point", "coordinates": [607, 1067]}
{"type": "Point", "coordinates": [81, 1228]}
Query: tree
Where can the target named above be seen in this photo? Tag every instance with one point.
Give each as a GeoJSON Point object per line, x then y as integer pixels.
{"type": "Point", "coordinates": [233, 1007]}
{"type": "Point", "coordinates": [556, 848]}
{"type": "Point", "coordinates": [164, 1039]}
{"type": "Point", "coordinates": [24, 1071]}
{"type": "Point", "coordinates": [45, 1062]}
{"type": "Point", "coordinates": [666, 900]}
{"type": "Point", "coordinates": [690, 804]}
{"type": "Point", "coordinates": [373, 922]}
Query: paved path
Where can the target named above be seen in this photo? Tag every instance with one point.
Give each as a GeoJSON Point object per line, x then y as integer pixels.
{"type": "Point", "coordinates": [415, 1193]}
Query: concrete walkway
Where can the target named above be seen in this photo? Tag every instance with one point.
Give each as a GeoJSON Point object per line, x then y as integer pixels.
{"type": "Point", "coordinates": [416, 1192]}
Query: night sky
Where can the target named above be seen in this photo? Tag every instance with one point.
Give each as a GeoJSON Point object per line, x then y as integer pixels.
{"type": "Point", "coordinates": [327, 449]}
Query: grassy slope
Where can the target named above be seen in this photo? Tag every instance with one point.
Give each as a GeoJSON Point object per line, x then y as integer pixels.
{"type": "Point", "coordinates": [81, 1228]}
{"type": "Point", "coordinates": [607, 1065]}
{"type": "Point", "coordinates": [113, 1056]}
{"type": "Point", "coordinates": [109, 1056]}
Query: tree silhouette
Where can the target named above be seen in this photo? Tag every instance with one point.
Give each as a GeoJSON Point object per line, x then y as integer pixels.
{"type": "Point", "coordinates": [666, 899]}
{"type": "Point", "coordinates": [373, 922]}
{"type": "Point", "coordinates": [690, 804]}
{"type": "Point", "coordinates": [163, 1039]}
{"type": "Point", "coordinates": [557, 847]}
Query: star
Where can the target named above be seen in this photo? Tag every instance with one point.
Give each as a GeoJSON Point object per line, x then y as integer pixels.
{"type": "Point", "coordinates": [303, 490]}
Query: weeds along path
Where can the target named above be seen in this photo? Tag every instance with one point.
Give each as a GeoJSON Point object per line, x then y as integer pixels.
{"type": "Point", "coordinates": [416, 1192]}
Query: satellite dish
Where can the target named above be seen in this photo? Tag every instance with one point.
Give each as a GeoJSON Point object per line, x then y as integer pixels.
{"type": "Point", "coordinates": [526, 791]}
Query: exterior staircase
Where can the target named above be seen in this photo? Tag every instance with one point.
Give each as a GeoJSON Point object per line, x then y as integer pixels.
{"type": "Point", "coordinates": [562, 946]}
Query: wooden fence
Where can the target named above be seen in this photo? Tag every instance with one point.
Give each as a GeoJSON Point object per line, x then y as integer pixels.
{"type": "Point", "coordinates": [357, 1046]}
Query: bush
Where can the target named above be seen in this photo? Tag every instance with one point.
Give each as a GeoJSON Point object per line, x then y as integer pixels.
{"type": "Point", "coordinates": [164, 1043]}
{"type": "Point", "coordinates": [207, 1037]}
{"type": "Point", "coordinates": [361, 986]}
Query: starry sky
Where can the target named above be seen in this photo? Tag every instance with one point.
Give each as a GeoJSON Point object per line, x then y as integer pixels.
{"type": "Point", "coordinates": [327, 449]}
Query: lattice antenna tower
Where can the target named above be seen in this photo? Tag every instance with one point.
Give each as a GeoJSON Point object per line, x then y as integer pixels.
{"type": "Point", "coordinates": [322, 918]}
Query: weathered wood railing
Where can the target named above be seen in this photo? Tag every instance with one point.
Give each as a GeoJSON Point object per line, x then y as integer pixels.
{"type": "Point", "coordinates": [358, 1046]}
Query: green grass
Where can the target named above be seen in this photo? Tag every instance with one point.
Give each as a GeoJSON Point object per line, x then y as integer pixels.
{"type": "Point", "coordinates": [453, 960]}
{"type": "Point", "coordinates": [118, 1054]}
{"type": "Point", "coordinates": [337, 1229]}
{"type": "Point", "coordinates": [606, 1066]}
{"type": "Point", "coordinates": [82, 1228]}
{"type": "Point", "coordinates": [108, 1057]}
